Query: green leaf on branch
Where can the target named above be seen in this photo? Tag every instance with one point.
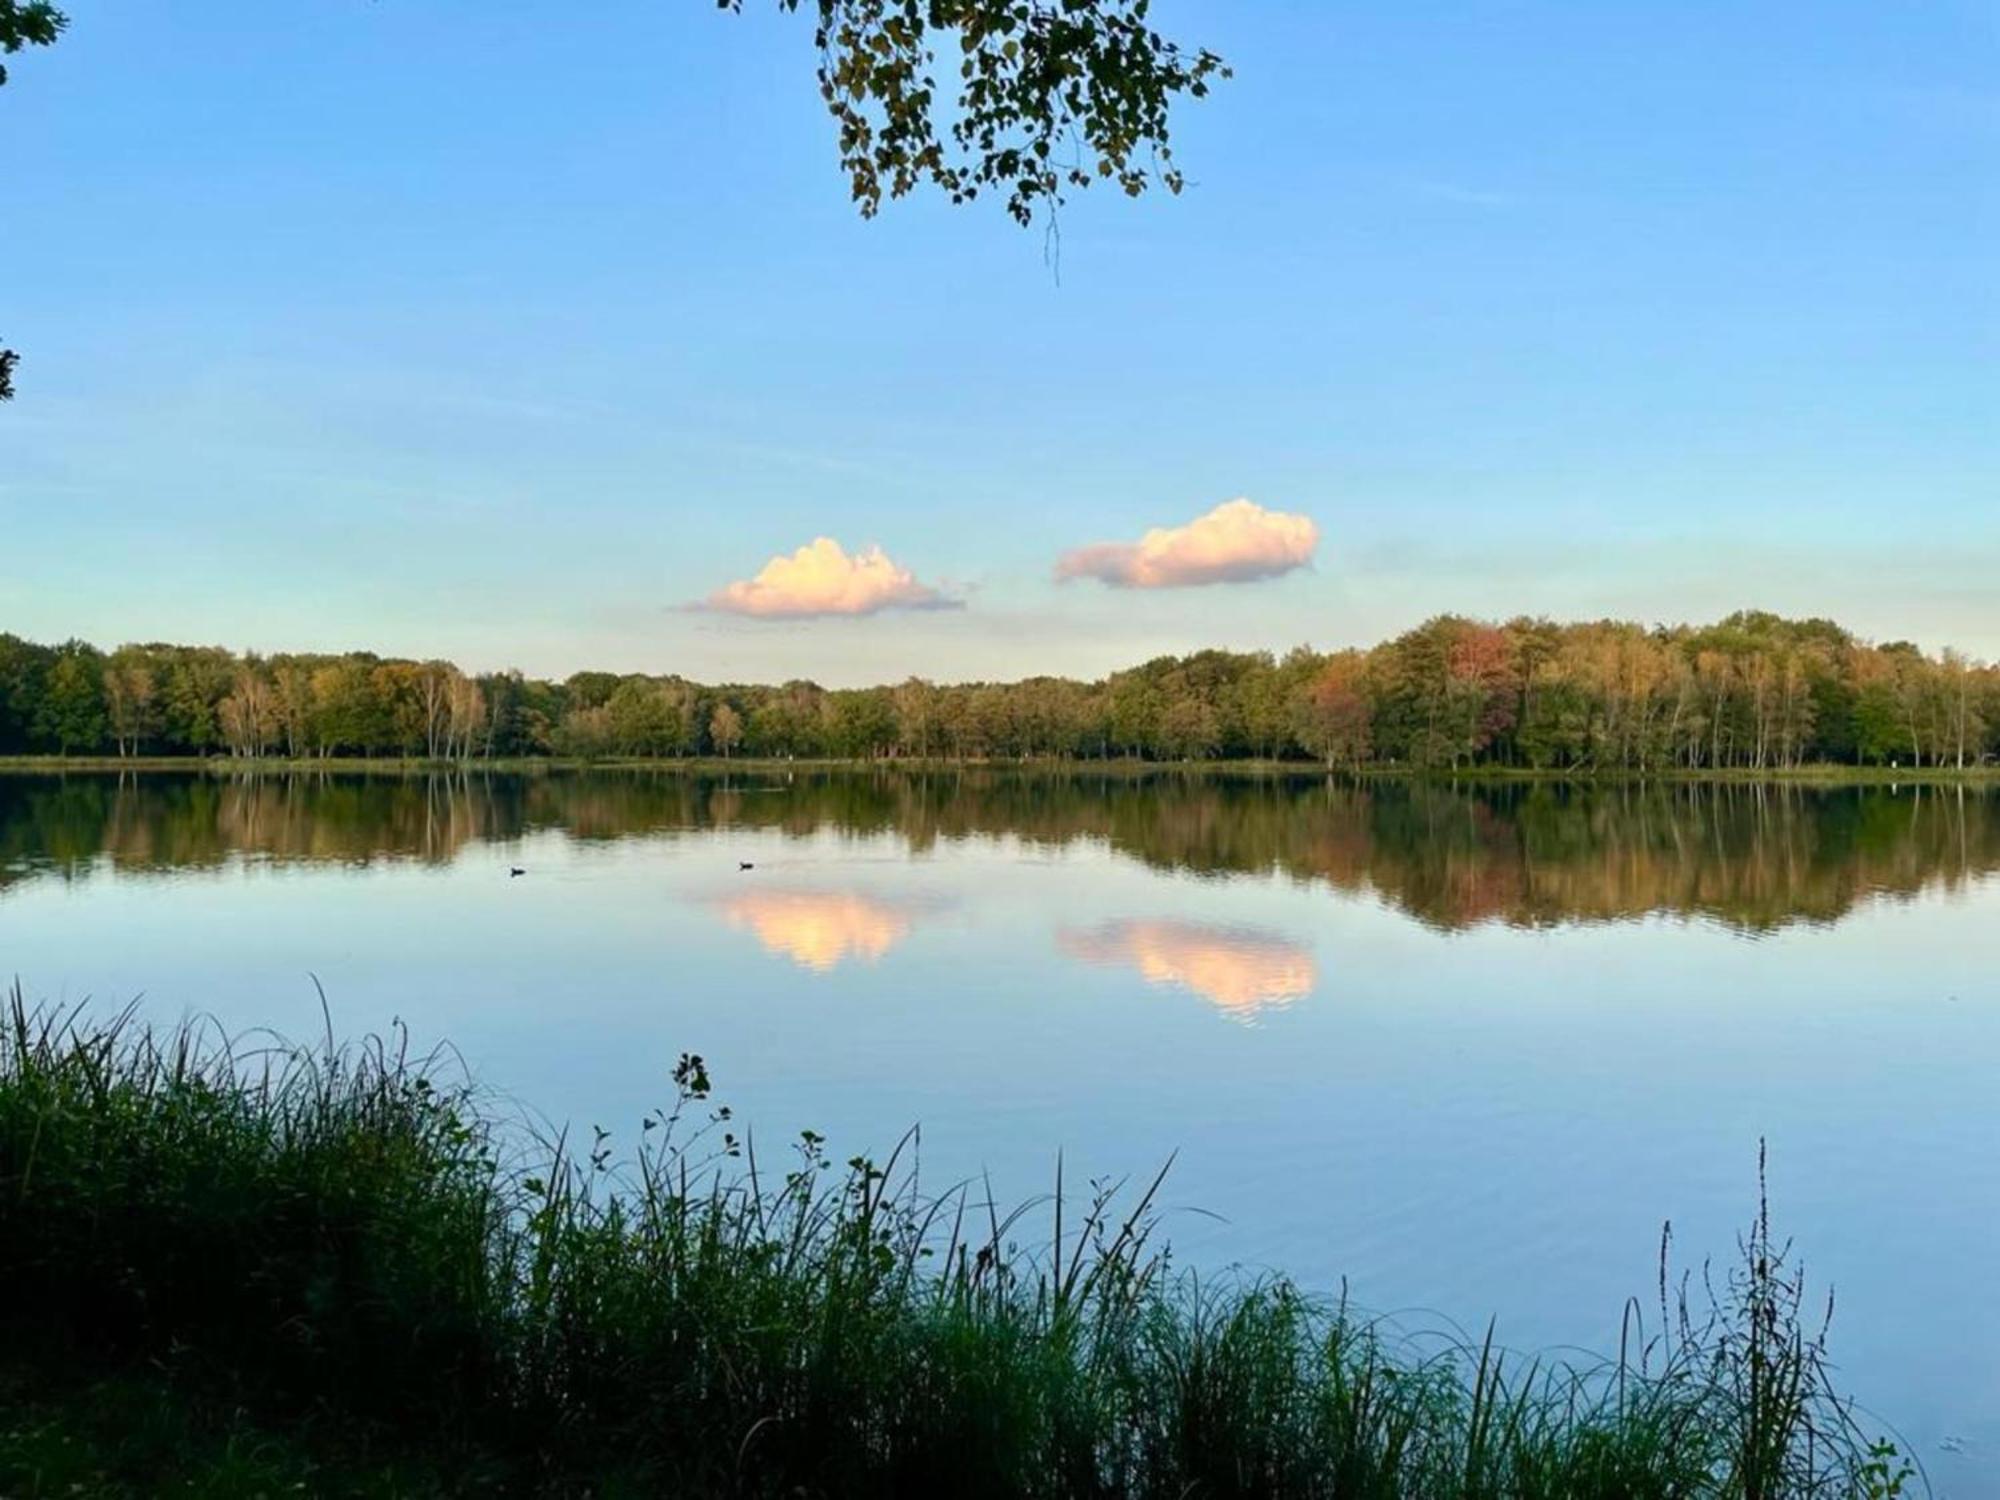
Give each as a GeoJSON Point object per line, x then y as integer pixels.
{"type": "Point", "coordinates": [1080, 90]}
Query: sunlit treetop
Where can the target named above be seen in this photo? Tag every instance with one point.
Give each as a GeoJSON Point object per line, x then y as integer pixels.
{"type": "Point", "coordinates": [1042, 96]}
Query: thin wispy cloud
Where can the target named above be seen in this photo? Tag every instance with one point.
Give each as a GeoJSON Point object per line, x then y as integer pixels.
{"type": "Point", "coordinates": [823, 578]}
{"type": "Point", "coordinates": [1463, 195]}
{"type": "Point", "coordinates": [1237, 542]}
{"type": "Point", "coordinates": [1945, 106]}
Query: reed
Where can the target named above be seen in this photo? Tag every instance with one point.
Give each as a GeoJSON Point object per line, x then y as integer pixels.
{"type": "Point", "coordinates": [350, 1247]}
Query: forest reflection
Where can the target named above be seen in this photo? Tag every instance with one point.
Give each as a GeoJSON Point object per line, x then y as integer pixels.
{"type": "Point", "coordinates": [1754, 856]}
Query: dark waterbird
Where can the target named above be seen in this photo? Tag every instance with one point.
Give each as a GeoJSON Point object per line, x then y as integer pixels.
{"type": "Point", "coordinates": [513, 870]}
{"type": "Point", "coordinates": [744, 864]}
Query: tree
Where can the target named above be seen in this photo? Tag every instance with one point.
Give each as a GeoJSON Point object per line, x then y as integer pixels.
{"type": "Point", "coordinates": [1052, 96]}
{"type": "Point", "coordinates": [1966, 730]}
{"type": "Point", "coordinates": [916, 716]}
{"type": "Point", "coordinates": [1258, 708]}
{"type": "Point", "coordinates": [725, 729]}
{"type": "Point", "coordinates": [591, 689]}
{"type": "Point", "coordinates": [23, 23]}
{"type": "Point", "coordinates": [433, 694]}
{"type": "Point", "coordinates": [1188, 730]}
{"type": "Point", "coordinates": [345, 714]}
{"type": "Point", "coordinates": [129, 691]}
{"type": "Point", "coordinates": [28, 23]}
{"type": "Point", "coordinates": [248, 717]}
{"type": "Point", "coordinates": [788, 721]}
{"type": "Point", "coordinates": [1038, 80]}
{"type": "Point", "coordinates": [23, 672]}
{"type": "Point", "coordinates": [72, 708]}
{"type": "Point", "coordinates": [195, 681]}
{"type": "Point", "coordinates": [1878, 722]}
{"type": "Point", "coordinates": [465, 716]}
{"type": "Point", "coordinates": [862, 723]}
{"type": "Point", "coordinates": [1449, 688]}
{"type": "Point", "coordinates": [1916, 697]}
{"type": "Point", "coordinates": [1482, 691]}
{"type": "Point", "coordinates": [645, 717]}
{"type": "Point", "coordinates": [586, 732]}
{"type": "Point", "coordinates": [501, 696]}
{"type": "Point", "coordinates": [293, 694]}
{"type": "Point", "coordinates": [1135, 709]}
{"type": "Point", "coordinates": [399, 707]}
{"type": "Point", "coordinates": [1331, 719]}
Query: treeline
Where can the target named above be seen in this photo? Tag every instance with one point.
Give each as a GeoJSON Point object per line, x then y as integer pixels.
{"type": "Point", "coordinates": [1753, 691]}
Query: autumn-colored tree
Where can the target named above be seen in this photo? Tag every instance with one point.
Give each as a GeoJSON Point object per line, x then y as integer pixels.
{"type": "Point", "coordinates": [1332, 719]}
{"type": "Point", "coordinates": [725, 729]}
{"type": "Point", "coordinates": [1483, 691]}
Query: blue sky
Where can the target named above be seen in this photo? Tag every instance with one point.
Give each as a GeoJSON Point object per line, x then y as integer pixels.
{"type": "Point", "coordinates": [438, 328]}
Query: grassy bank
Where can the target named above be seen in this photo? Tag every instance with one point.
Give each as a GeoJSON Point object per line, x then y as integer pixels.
{"type": "Point", "coordinates": [330, 1269]}
{"type": "Point", "coordinates": [1123, 769]}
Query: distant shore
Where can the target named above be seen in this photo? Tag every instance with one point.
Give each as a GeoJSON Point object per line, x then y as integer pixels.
{"type": "Point", "coordinates": [1122, 768]}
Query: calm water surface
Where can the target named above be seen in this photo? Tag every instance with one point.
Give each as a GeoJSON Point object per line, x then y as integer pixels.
{"type": "Point", "coordinates": [1466, 1048]}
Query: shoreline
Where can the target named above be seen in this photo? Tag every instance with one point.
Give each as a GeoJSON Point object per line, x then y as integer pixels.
{"type": "Point", "coordinates": [1120, 769]}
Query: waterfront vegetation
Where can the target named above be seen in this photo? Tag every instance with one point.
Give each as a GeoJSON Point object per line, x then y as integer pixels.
{"type": "Point", "coordinates": [1752, 693]}
{"type": "Point", "coordinates": [251, 1266]}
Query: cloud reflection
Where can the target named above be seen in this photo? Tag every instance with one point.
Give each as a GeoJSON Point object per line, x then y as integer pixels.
{"type": "Point", "coordinates": [1242, 971]}
{"type": "Point", "coordinates": [818, 930]}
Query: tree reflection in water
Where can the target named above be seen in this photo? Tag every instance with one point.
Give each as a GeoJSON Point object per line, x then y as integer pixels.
{"type": "Point", "coordinates": [1754, 856]}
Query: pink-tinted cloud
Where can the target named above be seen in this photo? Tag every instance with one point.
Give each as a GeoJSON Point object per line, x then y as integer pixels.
{"type": "Point", "coordinates": [1237, 542]}
{"type": "Point", "coordinates": [819, 930]}
{"type": "Point", "coordinates": [1240, 970]}
{"type": "Point", "coordinates": [821, 578]}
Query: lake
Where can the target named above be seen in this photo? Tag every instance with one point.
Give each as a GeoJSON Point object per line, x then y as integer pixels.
{"type": "Point", "coordinates": [1462, 1049]}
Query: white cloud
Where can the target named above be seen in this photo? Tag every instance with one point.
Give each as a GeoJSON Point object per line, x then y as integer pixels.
{"type": "Point", "coordinates": [821, 578]}
{"type": "Point", "coordinates": [1237, 542]}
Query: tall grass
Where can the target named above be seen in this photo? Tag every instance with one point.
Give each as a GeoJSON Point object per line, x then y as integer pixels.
{"type": "Point", "coordinates": [346, 1237]}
